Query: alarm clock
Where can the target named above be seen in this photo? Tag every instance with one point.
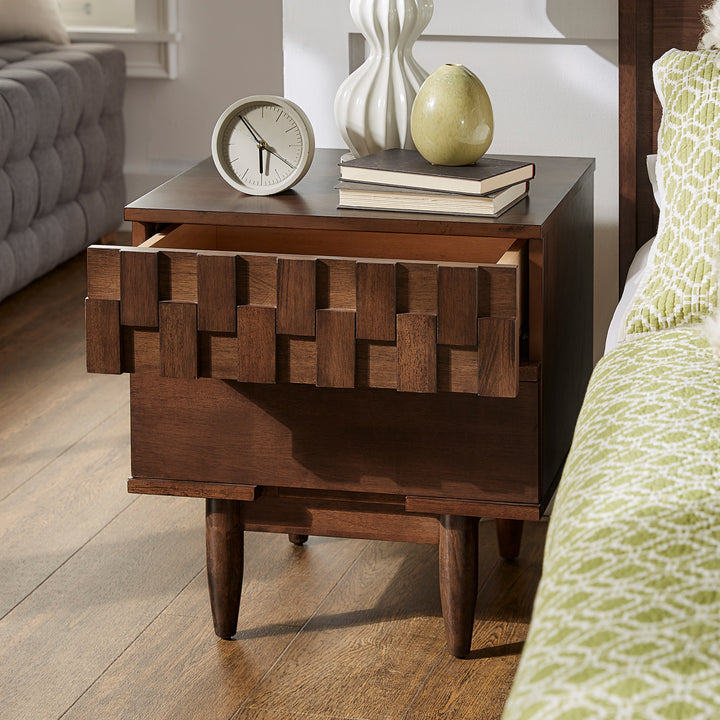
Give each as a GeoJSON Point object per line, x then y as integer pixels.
{"type": "Point", "coordinates": [263, 144]}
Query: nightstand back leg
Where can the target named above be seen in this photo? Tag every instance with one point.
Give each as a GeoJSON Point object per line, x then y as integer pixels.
{"type": "Point", "coordinates": [509, 536]}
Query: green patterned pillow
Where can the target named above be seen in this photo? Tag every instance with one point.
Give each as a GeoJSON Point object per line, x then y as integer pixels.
{"type": "Point", "coordinates": [679, 285]}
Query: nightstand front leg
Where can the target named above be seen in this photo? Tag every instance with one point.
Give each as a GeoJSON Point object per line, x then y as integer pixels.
{"type": "Point", "coordinates": [224, 545]}
{"type": "Point", "coordinates": [509, 536]}
{"type": "Point", "coordinates": [458, 555]}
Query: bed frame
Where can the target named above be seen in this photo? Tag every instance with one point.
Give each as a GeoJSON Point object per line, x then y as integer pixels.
{"type": "Point", "coordinates": [647, 29]}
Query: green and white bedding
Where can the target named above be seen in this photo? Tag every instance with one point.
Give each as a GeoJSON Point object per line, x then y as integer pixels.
{"type": "Point", "coordinates": [627, 616]}
{"type": "Point", "coordinates": [679, 285]}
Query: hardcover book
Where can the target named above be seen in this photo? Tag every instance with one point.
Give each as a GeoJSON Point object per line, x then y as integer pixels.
{"type": "Point", "coordinates": [365, 196]}
{"type": "Point", "coordinates": [407, 168]}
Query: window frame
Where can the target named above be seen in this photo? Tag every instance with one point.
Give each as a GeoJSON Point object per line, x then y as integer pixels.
{"type": "Point", "coordinates": [151, 47]}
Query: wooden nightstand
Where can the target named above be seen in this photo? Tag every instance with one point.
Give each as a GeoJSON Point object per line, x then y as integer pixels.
{"type": "Point", "coordinates": [316, 371]}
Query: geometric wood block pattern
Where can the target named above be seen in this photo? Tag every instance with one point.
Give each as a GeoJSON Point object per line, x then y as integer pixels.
{"type": "Point", "coordinates": [332, 322]}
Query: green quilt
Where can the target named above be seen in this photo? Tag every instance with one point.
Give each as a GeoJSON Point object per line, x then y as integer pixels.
{"type": "Point", "coordinates": [626, 621]}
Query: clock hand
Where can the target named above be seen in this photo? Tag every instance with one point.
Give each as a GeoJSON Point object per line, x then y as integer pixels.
{"type": "Point", "coordinates": [255, 136]}
{"type": "Point", "coordinates": [260, 159]}
{"type": "Point", "coordinates": [279, 157]}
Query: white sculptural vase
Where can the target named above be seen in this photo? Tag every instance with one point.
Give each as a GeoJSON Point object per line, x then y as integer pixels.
{"type": "Point", "coordinates": [373, 105]}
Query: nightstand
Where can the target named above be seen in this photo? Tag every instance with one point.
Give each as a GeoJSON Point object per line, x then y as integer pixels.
{"type": "Point", "coordinates": [316, 371]}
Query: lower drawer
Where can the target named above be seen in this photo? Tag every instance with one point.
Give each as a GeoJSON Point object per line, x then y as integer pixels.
{"type": "Point", "coordinates": [191, 436]}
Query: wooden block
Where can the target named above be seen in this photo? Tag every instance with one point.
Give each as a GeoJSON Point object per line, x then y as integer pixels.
{"type": "Point", "coordinates": [457, 369]}
{"type": "Point", "coordinates": [102, 336]}
{"type": "Point", "coordinates": [296, 360]}
{"type": "Point", "coordinates": [296, 297]}
{"type": "Point", "coordinates": [178, 340]}
{"type": "Point", "coordinates": [218, 355]}
{"type": "Point", "coordinates": [216, 293]}
{"type": "Point", "coordinates": [498, 291]}
{"type": "Point", "coordinates": [335, 284]}
{"type": "Point", "coordinates": [256, 344]}
{"type": "Point", "coordinates": [417, 353]}
{"type": "Point", "coordinates": [103, 273]}
{"type": "Point", "coordinates": [457, 305]}
{"type": "Point", "coordinates": [376, 364]}
{"type": "Point", "coordinates": [335, 340]}
{"type": "Point", "coordinates": [417, 288]}
{"type": "Point", "coordinates": [177, 275]}
{"type": "Point", "coordinates": [138, 288]}
{"type": "Point", "coordinates": [375, 301]}
{"type": "Point", "coordinates": [498, 374]}
{"type": "Point", "coordinates": [140, 350]}
{"type": "Point", "coordinates": [256, 280]}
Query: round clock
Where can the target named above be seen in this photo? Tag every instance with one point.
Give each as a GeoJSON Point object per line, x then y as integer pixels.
{"type": "Point", "coordinates": [263, 144]}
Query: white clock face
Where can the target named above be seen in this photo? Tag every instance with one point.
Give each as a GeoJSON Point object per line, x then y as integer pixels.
{"type": "Point", "coordinates": [262, 145]}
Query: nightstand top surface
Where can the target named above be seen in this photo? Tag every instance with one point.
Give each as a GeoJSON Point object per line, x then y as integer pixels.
{"type": "Point", "coordinates": [200, 196]}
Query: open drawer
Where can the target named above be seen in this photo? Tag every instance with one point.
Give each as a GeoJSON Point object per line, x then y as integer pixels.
{"type": "Point", "coordinates": [242, 304]}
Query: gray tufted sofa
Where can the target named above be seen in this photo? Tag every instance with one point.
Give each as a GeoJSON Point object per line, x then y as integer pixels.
{"type": "Point", "coordinates": [61, 154]}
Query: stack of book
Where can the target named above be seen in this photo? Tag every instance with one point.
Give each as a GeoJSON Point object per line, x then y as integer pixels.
{"type": "Point", "coordinates": [403, 180]}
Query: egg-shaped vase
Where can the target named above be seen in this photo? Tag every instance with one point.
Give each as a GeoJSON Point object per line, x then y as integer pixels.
{"type": "Point", "coordinates": [373, 105]}
{"type": "Point", "coordinates": [452, 117]}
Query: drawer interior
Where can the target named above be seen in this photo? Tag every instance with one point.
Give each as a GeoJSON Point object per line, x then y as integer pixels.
{"type": "Point", "coordinates": [391, 246]}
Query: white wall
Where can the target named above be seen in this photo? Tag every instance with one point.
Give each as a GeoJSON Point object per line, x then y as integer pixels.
{"type": "Point", "coordinates": [229, 49]}
{"type": "Point", "coordinates": [550, 68]}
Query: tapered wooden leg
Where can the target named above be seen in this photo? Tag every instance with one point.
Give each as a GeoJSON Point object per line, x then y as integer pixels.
{"type": "Point", "coordinates": [224, 544]}
{"type": "Point", "coordinates": [297, 539]}
{"type": "Point", "coordinates": [458, 555]}
{"type": "Point", "coordinates": [509, 535]}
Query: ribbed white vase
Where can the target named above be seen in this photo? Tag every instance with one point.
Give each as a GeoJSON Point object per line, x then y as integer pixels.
{"type": "Point", "coordinates": [373, 105]}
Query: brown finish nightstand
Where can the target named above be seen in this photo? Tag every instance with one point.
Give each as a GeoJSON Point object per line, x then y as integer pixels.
{"type": "Point", "coordinates": [317, 371]}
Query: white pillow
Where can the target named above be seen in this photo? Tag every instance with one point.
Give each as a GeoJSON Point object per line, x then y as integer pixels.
{"type": "Point", "coordinates": [616, 331]}
{"type": "Point", "coordinates": [32, 20]}
{"type": "Point", "coordinates": [651, 162]}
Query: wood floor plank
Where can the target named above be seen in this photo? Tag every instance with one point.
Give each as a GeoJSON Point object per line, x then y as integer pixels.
{"type": "Point", "coordinates": [478, 686]}
{"type": "Point", "coordinates": [42, 297]}
{"type": "Point", "coordinates": [283, 584]}
{"type": "Point", "coordinates": [59, 640]}
{"type": "Point", "coordinates": [263, 714]}
{"type": "Point", "coordinates": [47, 399]}
{"type": "Point", "coordinates": [50, 421]}
{"type": "Point", "coordinates": [62, 507]}
{"type": "Point", "coordinates": [42, 345]}
{"type": "Point", "coordinates": [178, 668]}
{"type": "Point", "coordinates": [369, 646]}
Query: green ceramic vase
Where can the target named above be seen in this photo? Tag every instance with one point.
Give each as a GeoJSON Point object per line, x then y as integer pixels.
{"type": "Point", "coordinates": [452, 118]}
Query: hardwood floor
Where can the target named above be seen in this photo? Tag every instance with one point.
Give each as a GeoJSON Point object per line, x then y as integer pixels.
{"type": "Point", "coordinates": [102, 617]}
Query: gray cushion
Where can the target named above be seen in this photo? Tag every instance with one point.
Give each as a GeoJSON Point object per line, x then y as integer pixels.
{"type": "Point", "coordinates": [61, 154]}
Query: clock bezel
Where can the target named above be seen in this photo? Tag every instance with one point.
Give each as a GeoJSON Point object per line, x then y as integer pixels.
{"type": "Point", "coordinates": [228, 117]}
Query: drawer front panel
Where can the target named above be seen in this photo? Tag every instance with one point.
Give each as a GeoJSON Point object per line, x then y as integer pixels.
{"type": "Point", "coordinates": [331, 322]}
{"type": "Point", "coordinates": [445, 445]}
